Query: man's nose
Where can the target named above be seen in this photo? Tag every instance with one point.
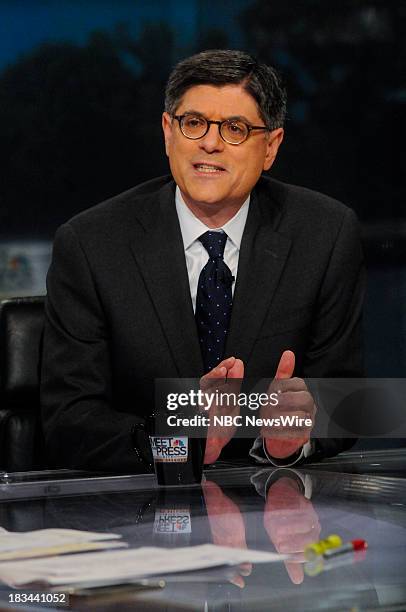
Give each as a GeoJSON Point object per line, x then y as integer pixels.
{"type": "Point", "coordinates": [212, 141]}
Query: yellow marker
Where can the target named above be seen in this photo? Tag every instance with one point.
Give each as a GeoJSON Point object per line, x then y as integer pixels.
{"type": "Point", "coordinates": [313, 568]}
{"type": "Point", "coordinates": [312, 551]}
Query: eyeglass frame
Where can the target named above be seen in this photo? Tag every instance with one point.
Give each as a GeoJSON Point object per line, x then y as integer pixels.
{"type": "Point", "coordinates": [209, 122]}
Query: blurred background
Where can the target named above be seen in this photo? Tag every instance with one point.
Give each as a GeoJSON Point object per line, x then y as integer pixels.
{"type": "Point", "coordinates": [81, 96]}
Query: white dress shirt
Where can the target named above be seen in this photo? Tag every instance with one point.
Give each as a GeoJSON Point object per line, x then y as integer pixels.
{"type": "Point", "coordinates": [195, 253]}
{"type": "Point", "coordinates": [196, 258]}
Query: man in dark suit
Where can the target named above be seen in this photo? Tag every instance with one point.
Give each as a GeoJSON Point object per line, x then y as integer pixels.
{"type": "Point", "coordinates": [130, 288]}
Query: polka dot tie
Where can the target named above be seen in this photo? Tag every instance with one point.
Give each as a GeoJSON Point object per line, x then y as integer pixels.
{"type": "Point", "coordinates": [213, 300]}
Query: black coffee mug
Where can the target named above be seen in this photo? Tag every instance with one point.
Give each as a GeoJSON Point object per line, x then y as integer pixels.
{"type": "Point", "coordinates": [178, 459]}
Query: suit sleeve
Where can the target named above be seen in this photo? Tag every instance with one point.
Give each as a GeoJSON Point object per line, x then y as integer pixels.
{"type": "Point", "coordinates": [82, 430]}
{"type": "Point", "coordinates": [336, 346]}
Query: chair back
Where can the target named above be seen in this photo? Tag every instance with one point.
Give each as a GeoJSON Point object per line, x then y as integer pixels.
{"type": "Point", "coordinates": [21, 330]}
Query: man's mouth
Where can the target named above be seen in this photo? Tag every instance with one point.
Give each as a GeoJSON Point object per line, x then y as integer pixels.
{"type": "Point", "coordinates": [208, 168]}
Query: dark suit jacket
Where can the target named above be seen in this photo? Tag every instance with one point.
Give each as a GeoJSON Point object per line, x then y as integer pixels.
{"type": "Point", "coordinates": [119, 312]}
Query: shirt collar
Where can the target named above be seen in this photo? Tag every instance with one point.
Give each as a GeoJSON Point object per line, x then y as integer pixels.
{"type": "Point", "coordinates": [191, 227]}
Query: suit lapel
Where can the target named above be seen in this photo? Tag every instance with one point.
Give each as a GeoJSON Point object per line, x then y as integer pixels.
{"type": "Point", "coordinates": [158, 250]}
{"type": "Point", "coordinates": [262, 258]}
{"type": "Point", "coordinates": [159, 254]}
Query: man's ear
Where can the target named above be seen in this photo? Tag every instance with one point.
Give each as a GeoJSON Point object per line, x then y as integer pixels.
{"type": "Point", "coordinates": [167, 128]}
{"type": "Point", "coordinates": [274, 141]}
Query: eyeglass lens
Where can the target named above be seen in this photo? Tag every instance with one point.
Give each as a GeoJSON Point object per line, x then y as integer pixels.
{"type": "Point", "coordinates": [232, 131]}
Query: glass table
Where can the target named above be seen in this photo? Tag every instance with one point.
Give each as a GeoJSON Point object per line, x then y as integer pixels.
{"type": "Point", "coordinates": [356, 495]}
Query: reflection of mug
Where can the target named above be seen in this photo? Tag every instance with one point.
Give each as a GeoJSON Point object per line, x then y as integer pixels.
{"type": "Point", "coordinates": [178, 460]}
{"type": "Point", "coordinates": [172, 525]}
{"type": "Point", "coordinates": [176, 513]}
{"type": "Point", "coordinates": [172, 520]}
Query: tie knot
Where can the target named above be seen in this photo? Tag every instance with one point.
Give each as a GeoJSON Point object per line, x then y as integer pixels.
{"type": "Point", "coordinates": [214, 243]}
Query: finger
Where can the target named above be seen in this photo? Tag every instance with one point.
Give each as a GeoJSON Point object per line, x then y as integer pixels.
{"type": "Point", "coordinates": [221, 369]}
{"type": "Point", "coordinates": [212, 493]}
{"type": "Point", "coordinates": [214, 446]}
{"type": "Point", "coordinates": [298, 525]}
{"type": "Point", "coordinates": [296, 543]}
{"type": "Point", "coordinates": [286, 365]}
{"type": "Point", "coordinates": [226, 363]}
{"type": "Point", "coordinates": [211, 487]}
{"type": "Point", "coordinates": [289, 384]}
{"type": "Point", "coordinates": [211, 379]}
{"type": "Point", "coordinates": [297, 558]}
{"type": "Point", "coordinates": [281, 449]}
{"type": "Point", "coordinates": [245, 569]}
{"type": "Point", "coordinates": [237, 369]}
{"type": "Point", "coordinates": [295, 572]}
{"type": "Point", "coordinates": [238, 581]}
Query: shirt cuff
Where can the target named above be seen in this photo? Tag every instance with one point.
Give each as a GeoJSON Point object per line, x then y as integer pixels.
{"type": "Point", "coordinates": [265, 477]}
{"type": "Point", "coordinates": [259, 452]}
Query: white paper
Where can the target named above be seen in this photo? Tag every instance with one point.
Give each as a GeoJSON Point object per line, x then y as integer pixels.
{"type": "Point", "coordinates": [61, 549]}
{"type": "Point", "coordinates": [45, 538]}
{"type": "Point", "coordinates": [126, 564]}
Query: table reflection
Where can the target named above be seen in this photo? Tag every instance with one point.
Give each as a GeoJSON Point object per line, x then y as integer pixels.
{"type": "Point", "coordinates": [226, 525]}
{"type": "Point", "coordinates": [289, 517]}
{"type": "Point", "coordinates": [267, 509]}
{"type": "Point", "coordinates": [291, 521]}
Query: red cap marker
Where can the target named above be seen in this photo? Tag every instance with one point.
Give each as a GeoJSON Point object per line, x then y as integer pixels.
{"type": "Point", "coordinates": [354, 545]}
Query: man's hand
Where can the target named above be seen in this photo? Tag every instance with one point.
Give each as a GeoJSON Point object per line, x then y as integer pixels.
{"type": "Point", "coordinates": [225, 378]}
{"type": "Point", "coordinates": [226, 525]}
{"type": "Point", "coordinates": [291, 522]}
{"type": "Point", "coordinates": [295, 400]}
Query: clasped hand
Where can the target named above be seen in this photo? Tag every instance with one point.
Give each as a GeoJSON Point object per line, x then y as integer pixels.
{"type": "Point", "coordinates": [295, 400]}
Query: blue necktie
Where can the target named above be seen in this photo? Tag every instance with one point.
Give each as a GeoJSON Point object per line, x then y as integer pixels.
{"type": "Point", "coordinates": [213, 300]}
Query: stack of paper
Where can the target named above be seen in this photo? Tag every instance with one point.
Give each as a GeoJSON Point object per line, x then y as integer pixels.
{"type": "Point", "coordinates": [124, 565]}
{"type": "Point", "coordinates": [47, 542]}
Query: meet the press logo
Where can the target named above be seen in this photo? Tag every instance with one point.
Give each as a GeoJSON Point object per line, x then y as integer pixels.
{"type": "Point", "coordinates": [169, 449]}
{"type": "Point", "coordinates": [172, 520]}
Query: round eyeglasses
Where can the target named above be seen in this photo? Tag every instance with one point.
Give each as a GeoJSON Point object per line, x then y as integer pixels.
{"type": "Point", "coordinates": [232, 131]}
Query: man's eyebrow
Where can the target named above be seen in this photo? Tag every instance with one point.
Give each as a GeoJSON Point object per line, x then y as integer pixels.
{"type": "Point", "coordinates": [191, 111]}
{"type": "Point", "coordinates": [240, 118]}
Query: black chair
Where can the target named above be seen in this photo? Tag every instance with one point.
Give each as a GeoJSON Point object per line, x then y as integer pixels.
{"type": "Point", "coordinates": [21, 329]}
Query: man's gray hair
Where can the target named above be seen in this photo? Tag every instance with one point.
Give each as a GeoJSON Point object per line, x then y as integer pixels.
{"type": "Point", "coordinates": [228, 67]}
